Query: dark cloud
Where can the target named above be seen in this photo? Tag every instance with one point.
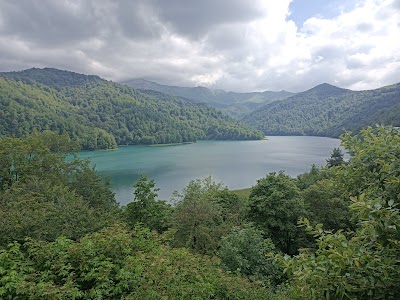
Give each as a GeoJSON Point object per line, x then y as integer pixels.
{"type": "Point", "coordinates": [48, 22]}
{"type": "Point", "coordinates": [329, 52]}
{"type": "Point", "coordinates": [365, 27]}
{"type": "Point", "coordinates": [226, 37]}
{"type": "Point", "coordinates": [230, 44]}
{"type": "Point", "coordinates": [195, 18]}
{"type": "Point", "coordinates": [396, 4]}
{"type": "Point", "coordinates": [354, 63]}
{"type": "Point", "coordinates": [138, 20]}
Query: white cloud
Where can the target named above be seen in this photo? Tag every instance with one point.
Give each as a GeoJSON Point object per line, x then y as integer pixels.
{"type": "Point", "coordinates": [229, 44]}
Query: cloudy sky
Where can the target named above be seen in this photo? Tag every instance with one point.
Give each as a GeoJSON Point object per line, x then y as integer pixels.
{"type": "Point", "coordinates": [237, 45]}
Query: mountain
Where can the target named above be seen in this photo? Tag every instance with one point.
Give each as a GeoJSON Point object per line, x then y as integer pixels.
{"type": "Point", "coordinates": [234, 104]}
{"type": "Point", "coordinates": [327, 110]}
{"type": "Point", "coordinates": [100, 114]}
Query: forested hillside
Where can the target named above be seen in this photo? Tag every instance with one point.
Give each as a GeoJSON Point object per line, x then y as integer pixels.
{"type": "Point", "coordinates": [99, 114]}
{"type": "Point", "coordinates": [234, 104]}
{"type": "Point", "coordinates": [327, 110]}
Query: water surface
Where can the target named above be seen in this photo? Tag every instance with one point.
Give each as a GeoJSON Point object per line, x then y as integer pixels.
{"type": "Point", "coordinates": [237, 163]}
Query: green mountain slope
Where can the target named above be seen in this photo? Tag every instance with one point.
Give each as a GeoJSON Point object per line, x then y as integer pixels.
{"type": "Point", "coordinates": [234, 104]}
{"type": "Point", "coordinates": [327, 110]}
{"type": "Point", "coordinates": [100, 114]}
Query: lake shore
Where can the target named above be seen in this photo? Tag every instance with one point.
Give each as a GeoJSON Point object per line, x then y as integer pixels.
{"type": "Point", "coordinates": [171, 144]}
{"type": "Point", "coordinates": [238, 164]}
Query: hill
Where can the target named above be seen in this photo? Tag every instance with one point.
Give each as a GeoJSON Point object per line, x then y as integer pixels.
{"type": "Point", "coordinates": [327, 110]}
{"type": "Point", "coordinates": [234, 104]}
{"type": "Point", "coordinates": [100, 114]}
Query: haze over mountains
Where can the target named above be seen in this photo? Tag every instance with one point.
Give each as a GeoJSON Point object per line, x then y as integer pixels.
{"type": "Point", "coordinates": [100, 114]}
{"type": "Point", "coordinates": [324, 110]}
{"type": "Point", "coordinates": [234, 104]}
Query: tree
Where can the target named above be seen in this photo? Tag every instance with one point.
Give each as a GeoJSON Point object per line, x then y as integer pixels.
{"type": "Point", "coordinates": [374, 165]}
{"type": "Point", "coordinates": [116, 263]}
{"type": "Point", "coordinates": [145, 209]}
{"type": "Point", "coordinates": [244, 250]}
{"type": "Point", "coordinates": [311, 177]}
{"type": "Point", "coordinates": [202, 215]}
{"type": "Point", "coordinates": [231, 206]}
{"type": "Point", "coordinates": [364, 263]}
{"type": "Point", "coordinates": [43, 195]}
{"type": "Point", "coordinates": [275, 206]}
{"type": "Point", "coordinates": [44, 210]}
{"type": "Point", "coordinates": [336, 158]}
{"type": "Point", "coordinates": [327, 202]}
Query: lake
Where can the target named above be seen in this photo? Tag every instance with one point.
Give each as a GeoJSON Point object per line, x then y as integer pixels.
{"type": "Point", "coordinates": [236, 163]}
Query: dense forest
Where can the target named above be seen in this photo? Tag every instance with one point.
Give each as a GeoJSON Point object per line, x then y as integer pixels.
{"type": "Point", "coordinates": [326, 110]}
{"type": "Point", "coordinates": [232, 103]}
{"type": "Point", "coordinates": [99, 114]}
{"type": "Point", "coordinates": [330, 233]}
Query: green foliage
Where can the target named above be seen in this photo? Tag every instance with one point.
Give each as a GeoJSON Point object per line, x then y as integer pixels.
{"type": "Point", "coordinates": [275, 206]}
{"type": "Point", "coordinates": [327, 202]}
{"type": "Point", "coordinates": [374, 168]}
{"type": "Point", "coordinates": [234, 104]}
{"type": "Point", "coordinates": [205, 212]}
{"type": "Point", "coordinates": [22, 158]}
{"type": "Point", "coordinates": [336, 158]}
{"type": "Point", "coordinates": [364, 263]}
{"type": "Point", "coordinates": [244, 250]}
{"type": "Point", "coordinates": [145, 191]}
{"type": "Point", "coordinates": [313, 176]}
{"type": "Point", "coordinates": [115, 264]}
{"type": "Point", "coordinates": [326, 110]}
{"type": "Point", "coordinates": [43, 195]}
{"type": "Point", "coordinates": [145, 209]}
{"type": "Point", "coordinates": [243, 193]}
{"type": "Point", "coordinates": [325, 198]}
{"type": "Point", "coordinates": [40, 209]}
{"type": "Point", "coordinates": [98, 114]}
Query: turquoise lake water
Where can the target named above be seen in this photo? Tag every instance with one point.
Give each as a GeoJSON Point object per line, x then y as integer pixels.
{"type": "Point", "coordinates": [236, 163]}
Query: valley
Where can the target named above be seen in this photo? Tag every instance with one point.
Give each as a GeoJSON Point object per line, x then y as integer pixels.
{"type": "Point", "coordinates": [200, 150]}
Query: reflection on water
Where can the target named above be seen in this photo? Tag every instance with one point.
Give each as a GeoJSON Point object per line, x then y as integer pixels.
{"type": "Point", "coordinates": [237, 163]}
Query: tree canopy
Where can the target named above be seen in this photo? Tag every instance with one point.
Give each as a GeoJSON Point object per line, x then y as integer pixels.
{"type": "Point", "coordinates": [63, 236]}
{"type": "Point", "coordinates": [326, 110]}
{"type": "Point", "coordinates": [361, 263]}
{"type": "Point", "coordinates": [99, 114]}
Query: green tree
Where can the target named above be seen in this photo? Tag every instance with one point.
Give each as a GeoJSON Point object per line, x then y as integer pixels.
{"type": "Point", "coordinates": [43, 195]}
{"type": "Point", "coordinates": [41, 209]}
{"type": "Point", "coordinates": [231, 206]}
{"type": "Point", "coordinates": [364, 263]}
{"type": "Point", "coordinates": [327, 202]}
{"type": "Point", "coordinates": [275, 206]}
{"type": "Point", "coordinates": [203, 215]}
{"type": "Point", "coordinates": [145, 209]}
{"type": "Point", "coordinates": [116, 263]}
{"type": "Point", "coordinates": [374, 165]}
{"type": "Point", "coordinates": [98, 114]}
{"type": "Point", "coordinates": [311, 177]}
{"type": "Point", "coordinates": [244, 250]}
{"type": "Point", "coordinates": [336, 158]}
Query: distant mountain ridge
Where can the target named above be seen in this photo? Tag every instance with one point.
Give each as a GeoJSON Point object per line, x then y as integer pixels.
{"type": "Point", "coordinates": [100, 114]}
{"type": "Point", "coordinates": [234, 104]}
{"type": "Point", "coordinates": [53, 77]}
{"type": "Point", "coordinates": [327, 110]}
